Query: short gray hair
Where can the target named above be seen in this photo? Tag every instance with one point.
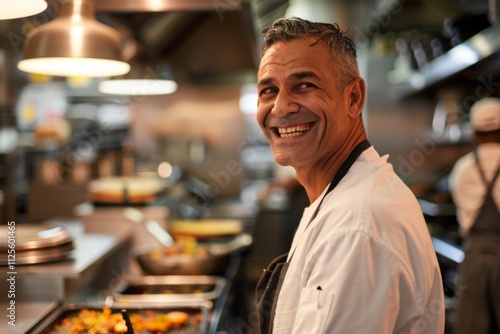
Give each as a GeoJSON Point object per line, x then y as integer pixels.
{"type": "Point", "coordinates": [342, 48]}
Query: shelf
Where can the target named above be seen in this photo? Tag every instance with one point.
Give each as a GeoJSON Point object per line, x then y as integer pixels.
{"type": "Point", "coordinates": [436, 210]}
{"type": "Point", "coordinates": [447, 250]}
{"type": "Point", "coordinates": [471, 52]}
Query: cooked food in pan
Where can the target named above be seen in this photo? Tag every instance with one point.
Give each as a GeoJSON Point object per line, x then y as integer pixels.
{"type": "Point", "coordinates": [109, 322]}
{"type": "Point", "coordinates": [186, 245]}
{"type": "Point", "coordinates": [93, 322]}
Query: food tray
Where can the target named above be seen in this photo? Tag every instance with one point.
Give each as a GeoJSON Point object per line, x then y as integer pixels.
{"type": "Point", "coordinates": [144, 289]}
{"type": "Point", "coordinates": [197, 312]}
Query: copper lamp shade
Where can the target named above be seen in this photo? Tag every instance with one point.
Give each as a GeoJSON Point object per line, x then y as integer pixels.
{"type": "Point", "coordinates": [74, 44]}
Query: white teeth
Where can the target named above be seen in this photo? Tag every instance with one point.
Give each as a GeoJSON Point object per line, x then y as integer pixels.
{"type": "Point", "coordinates": [292, 131]}
{"type": "Point", "coordinates": [288, 135]}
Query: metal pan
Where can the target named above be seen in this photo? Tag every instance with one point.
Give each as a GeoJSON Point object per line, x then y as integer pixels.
{"type": "Point", "coordinates": [182, 264]}
{"type": "Point", "coordinates": [154, 262]}
{"type": "Point", "coordinates": [197, 312]}
{"type": "Point", "coordinates": [146, 289]}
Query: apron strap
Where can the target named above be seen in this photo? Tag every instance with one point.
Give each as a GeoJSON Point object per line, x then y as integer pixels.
{"type": "Point", "coordinates": [489, 185]}
{"type": "Point", "coordinates": [484, 234]}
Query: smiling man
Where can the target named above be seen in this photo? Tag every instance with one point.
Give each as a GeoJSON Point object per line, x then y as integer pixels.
{"type": "Point", "coordinates": [361, 260]}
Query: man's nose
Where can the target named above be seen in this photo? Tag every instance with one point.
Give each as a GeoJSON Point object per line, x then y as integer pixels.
{"type": "Point", "coordinates": [284, 104]}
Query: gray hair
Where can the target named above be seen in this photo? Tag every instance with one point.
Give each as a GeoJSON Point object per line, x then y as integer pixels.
{"type": "Point", "coordinates": [342, 48]}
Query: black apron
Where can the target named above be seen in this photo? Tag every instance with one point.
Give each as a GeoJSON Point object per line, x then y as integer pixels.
{"type": "Point", "coordinates": [478, 295]}
{"type": "Point", "coordinates": [269, 285]}
{"type": "Point", "coordinates": [484, 235]}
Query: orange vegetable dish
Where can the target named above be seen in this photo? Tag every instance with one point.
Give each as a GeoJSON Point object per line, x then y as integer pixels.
{"type": "Point", "coordinates": [106, 322]}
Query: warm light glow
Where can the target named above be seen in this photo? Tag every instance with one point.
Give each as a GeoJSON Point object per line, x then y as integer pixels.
{"type": "Point", "coordinates": [248, 99]}
{"type": "Point", "coordinates": [65, 67]}
{"type": "Point", "coordinates": [165, 170]}
{"type": "Point", "coordinates": [137, 87]}
{"type": "Point", "coordinates": [20, 8]}
{"type": "Point", "coordinates": [156, 5]}
{"type": "Point", "coordinates": [76, 39]}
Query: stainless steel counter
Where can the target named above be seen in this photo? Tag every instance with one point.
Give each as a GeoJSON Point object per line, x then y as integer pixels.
{"type": "Point", "coordinates": [27, 314]}
{"type": "Point", "coordinates": [97, 258]}
{"type": "Point", "coordinates": [89, 249]}
{"type": "Point", "coordinates": [102, 256]}
{"type": "Point", "coordinates": [39, 289]}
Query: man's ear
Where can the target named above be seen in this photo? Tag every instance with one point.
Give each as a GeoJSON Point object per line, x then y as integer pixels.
{"type": "Point", "coordinates": [355, 94]}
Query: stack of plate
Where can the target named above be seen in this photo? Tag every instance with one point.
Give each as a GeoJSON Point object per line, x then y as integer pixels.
{"type": "Point", "coordinates": [34, 244]}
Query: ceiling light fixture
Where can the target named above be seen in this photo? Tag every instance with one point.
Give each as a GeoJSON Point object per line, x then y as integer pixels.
{"type": "Point", "coordinates": [21, 8]}
{"type": "Point", "coordinates": [142, 80]}
{"type": "Point", "coordinates": [74, 44]}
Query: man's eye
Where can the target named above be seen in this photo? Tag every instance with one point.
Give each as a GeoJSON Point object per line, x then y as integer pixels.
{"type": "Point", "coordinates": [269, 90]}
{"type": "Point", "coordinates": [305, 85]}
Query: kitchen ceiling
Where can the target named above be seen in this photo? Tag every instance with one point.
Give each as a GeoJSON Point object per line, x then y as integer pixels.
{"type": "Point", "coordinates": [218, 40]}
{"type": "Point", "coordinates": [203, 40]}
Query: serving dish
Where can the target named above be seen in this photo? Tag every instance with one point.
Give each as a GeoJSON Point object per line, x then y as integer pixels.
{"type": "Point", "coordinates": [213, 261]}
{"type": "Point", "coordinates": [151, 289]}
{"type": "Point", "coordinates": [69, 319]}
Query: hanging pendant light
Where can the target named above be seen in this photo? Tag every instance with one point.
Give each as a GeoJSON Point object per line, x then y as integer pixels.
{"type": "Point", "coordinates": [74, 44]}
{"type": "Point", "coordinates": [20, 8]}
{"type": "Point", "coordinates": [143, 79]}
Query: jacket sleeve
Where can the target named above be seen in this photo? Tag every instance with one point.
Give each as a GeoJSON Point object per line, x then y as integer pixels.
{"type": "Point", "coordinates": [354, 285]}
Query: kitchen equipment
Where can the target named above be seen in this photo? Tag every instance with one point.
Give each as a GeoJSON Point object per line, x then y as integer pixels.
{"type": "Point", "coordinates": [128, 323]}
{"type": "Point", "coordinates": [125, 190]}
{"type": "Point", "coordinates": [152, 226]}
{"type": "Point", "coordinates": [214, 262]}
{"type": "Point", "coordinates": [159, 289]}
{"type": "Point", "coordinates": [465, 26]}
{"type": "Point", "coordinates": [448, 118]}
{"type": "Point", "coordinates": [206, 228]}
{"type": "Point", "coordinates": [34, 244]}
{"type": "Point", "coordinates": [196, 311]}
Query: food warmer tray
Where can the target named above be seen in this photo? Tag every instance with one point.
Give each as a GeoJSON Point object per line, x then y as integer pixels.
{"type": "Point", "coordinates": [144, 289]}
{"type": "Point", "coordinates": [193, 309]}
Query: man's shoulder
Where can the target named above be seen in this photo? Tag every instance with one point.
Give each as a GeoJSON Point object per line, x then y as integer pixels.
{"type": "Point", "coordinates": [461, 168]}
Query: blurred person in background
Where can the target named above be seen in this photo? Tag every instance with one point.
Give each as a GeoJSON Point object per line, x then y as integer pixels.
{"type": "Point", "coordinates": [475, 187]}
{"type": "Point", "coordinates": [362, 259]}
{"type": "Point", "coordinates": [285, 184]}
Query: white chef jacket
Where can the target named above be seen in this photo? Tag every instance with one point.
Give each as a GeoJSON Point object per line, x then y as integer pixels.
{"type": "Point", "coordinates": [467, 187]}
{"type": "Point", "coordinates": [365, 264]}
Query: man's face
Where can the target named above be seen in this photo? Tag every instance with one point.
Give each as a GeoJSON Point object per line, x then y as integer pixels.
{"type": "Point", "coordinates": [300, 109]}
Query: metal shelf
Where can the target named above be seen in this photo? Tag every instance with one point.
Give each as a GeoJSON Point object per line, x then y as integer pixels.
{"type": "Point", "coordinates": [471, 52]}
{"type": "Point", "coordinates": [447, 250]}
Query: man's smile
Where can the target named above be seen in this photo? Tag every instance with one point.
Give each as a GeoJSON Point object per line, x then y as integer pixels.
{"type": "Point", "coordinates": [291, 131]}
